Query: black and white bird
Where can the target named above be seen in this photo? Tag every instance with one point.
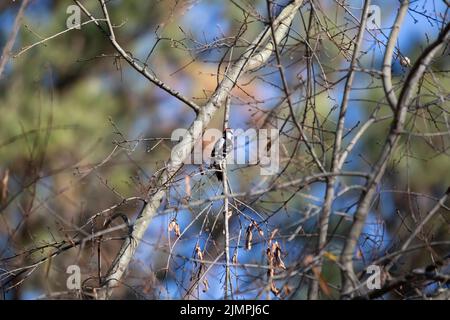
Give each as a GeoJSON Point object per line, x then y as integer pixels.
{"type": "Point", "coordinates": [221, 150]}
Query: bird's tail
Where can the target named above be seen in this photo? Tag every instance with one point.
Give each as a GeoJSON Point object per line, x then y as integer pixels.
{"type": "Point", "coordinates": [218, 171]}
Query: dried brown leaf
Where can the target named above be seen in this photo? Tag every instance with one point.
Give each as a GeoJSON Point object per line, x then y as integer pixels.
{"type": "Point", "coordinates": [199, 253]}
{"type": "Point", "coordinates": [172, 225]}
{"type": "Point", "coordinates": [205, 285]}
{"type": "Point", "coordinates": [260, 231]}
{"type": "Point", "coordinates": [269, 256]}
{"type": "Point", "coordinates": [177, 230]}
{"type": "Point", "coordinates": [287, 290]}
{"type": "Point", "coordinates": [277, 254]}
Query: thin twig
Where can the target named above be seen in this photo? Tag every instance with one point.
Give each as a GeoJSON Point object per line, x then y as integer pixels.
{"type": "Point", "coordinates": [141, 68]}
{"type": "Point", "coordinates": [226, 211]}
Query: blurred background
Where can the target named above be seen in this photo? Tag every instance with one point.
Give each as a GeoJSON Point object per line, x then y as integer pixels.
{"type": "Point", "coordinates": [81, 131]}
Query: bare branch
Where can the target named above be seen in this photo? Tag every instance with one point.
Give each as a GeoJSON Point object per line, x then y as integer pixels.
{"type": "Point", "coordinates": [139, 67]}
{"type": "Point", "coordinates": [176, 162]}
{"type": "Point", "coordinates": [389, 53]}
{"type": "Point", "coordinates": [280, 28]}
{"type": "Point", "coordinates": [365, 202]}
{"type": "Point", "coordinates": [335, 167]}
{"type": "Point", "coordinates": [12, 37]}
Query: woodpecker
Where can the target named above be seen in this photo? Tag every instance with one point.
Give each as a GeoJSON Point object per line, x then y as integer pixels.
{"type": "Point", "coordinates": [221, 149]}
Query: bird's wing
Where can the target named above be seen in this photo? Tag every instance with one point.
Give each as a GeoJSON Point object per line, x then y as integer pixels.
{"type": "Point", "coordinates": [217, 147]}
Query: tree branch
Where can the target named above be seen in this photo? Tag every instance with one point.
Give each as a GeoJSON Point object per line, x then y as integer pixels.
{"type": "Point", "coordinates": [335, 163]}
{"type": "Point", "coordinates": [388, 54]}
{"type": "Point", "coordinates": [12, 38]}
{"type": "Point", "coordinates": [226, 211]}
{"type": "Point", "coordinates": [183, 149]}
{"type": "Point", "coordinates": [139, 67]}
